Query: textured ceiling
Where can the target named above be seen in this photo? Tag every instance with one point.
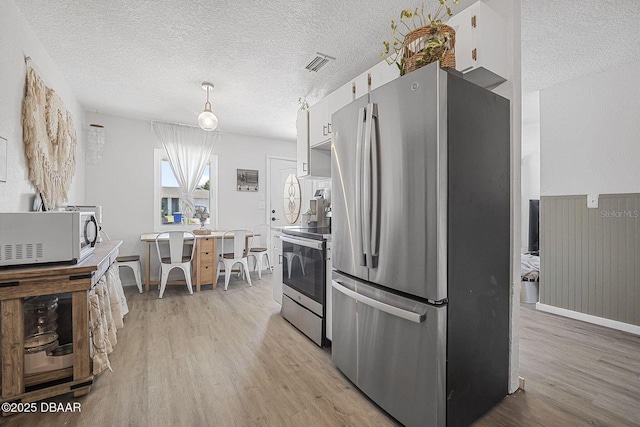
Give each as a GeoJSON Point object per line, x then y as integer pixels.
{"type": "Point", "coordinates": [565, 39]}
{"type": "Point", "coordinates": [146, 59]}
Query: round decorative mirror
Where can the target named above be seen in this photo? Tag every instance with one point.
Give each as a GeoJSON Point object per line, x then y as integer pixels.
{"type": "Point", "coordinates": [291, 199]}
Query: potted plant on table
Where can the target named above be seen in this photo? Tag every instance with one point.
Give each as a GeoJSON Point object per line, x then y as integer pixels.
{"type": "Point", "coordinates": [202, 214]}
{"type": "Point", "coordinates": [420, 39]}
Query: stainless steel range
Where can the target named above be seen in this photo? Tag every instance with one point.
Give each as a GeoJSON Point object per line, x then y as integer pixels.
{"type": "Point", "coordinates": [306, 278]}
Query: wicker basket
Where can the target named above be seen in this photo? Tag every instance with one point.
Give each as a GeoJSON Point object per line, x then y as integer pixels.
{"type": "Point", "coordinates": [416, 41]}
{"type": "Point", "coordinates": [202, 231]}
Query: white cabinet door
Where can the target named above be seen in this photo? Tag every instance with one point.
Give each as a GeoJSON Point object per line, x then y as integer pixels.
{"type": "Point", "coordinates": [481, 48]}
{"type": "Point", "coordinates": [490, 40]}
{"type": "Point", "coordinates": [319, 122]}
{"type": "Point", "coordinates": [302, 127]}
{"type": "Point", "coordinates": [462, 25]}
{"type": "Point", "coordinates": [339, 98]}
{"type": "Point", "coordinates": [312, 162]}
{"type": "Point", "coordinates": [362, 84]}
{"type": "Point", "coordinates": [383, 73]}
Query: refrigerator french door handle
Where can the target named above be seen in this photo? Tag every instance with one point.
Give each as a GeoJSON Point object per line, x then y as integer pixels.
{"type": "Point", "coordinates": [375, 179]}
{"type": "Point", "coordinates": [359, 210]}
{"type": "Point", "coordinates": [366, 187]}
{"type": "Point", "coordinates": [379, 305]}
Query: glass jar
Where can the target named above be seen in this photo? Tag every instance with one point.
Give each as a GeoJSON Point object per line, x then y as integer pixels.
{"type": "Point", "coordinates": [40, 323]}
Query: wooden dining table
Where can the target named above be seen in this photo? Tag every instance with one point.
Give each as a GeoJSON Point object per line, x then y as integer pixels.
{"type": "Point", "coordinates": [205, 258]}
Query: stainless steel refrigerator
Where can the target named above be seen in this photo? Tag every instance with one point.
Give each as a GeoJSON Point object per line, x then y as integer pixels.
{"type": "Point", "coordinates": [421, 237]}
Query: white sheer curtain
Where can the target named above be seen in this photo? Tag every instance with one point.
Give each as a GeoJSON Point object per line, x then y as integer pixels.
{"type": "Point", "coordinates": [188, 149]}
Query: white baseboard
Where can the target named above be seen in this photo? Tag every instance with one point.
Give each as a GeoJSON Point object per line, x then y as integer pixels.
{"type": "Point", "coordinates": [613, 324]}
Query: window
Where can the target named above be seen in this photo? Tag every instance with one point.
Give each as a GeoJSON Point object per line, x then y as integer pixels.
{"type": "Point", "coordinates": [167, 213]}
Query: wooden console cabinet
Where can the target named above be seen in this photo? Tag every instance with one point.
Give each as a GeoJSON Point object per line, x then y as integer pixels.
{"type": "Point", "coordinates": [21, 282]}
{"type": "Point", "coordinates": [206, 258]}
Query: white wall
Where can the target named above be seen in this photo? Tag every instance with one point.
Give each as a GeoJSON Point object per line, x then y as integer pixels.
{"type": "Point", "coordinates": [122, 182]}
{"type": "Point", "coordinates": [510, 10]}
{"type": "Point", "coordinates": [590, 134]}
{"type": "Point", "coordinates": [530, 158]}
{"type": "Point", "coordinates": [17, 40]}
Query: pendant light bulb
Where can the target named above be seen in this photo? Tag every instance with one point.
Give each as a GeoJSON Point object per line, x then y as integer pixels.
{"type": "Point", "coordinates": [207, 120]}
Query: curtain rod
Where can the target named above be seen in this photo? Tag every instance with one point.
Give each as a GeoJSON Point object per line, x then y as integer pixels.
{"type": "Point", "coordinates": [181, 124]}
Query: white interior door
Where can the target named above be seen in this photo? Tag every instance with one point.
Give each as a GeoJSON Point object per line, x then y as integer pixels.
{"type": "Point", "coordinates": [280, 170]}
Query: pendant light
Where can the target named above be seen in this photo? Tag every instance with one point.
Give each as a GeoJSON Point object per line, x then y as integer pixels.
{"type": "Point", "coordinates": [207, 120]}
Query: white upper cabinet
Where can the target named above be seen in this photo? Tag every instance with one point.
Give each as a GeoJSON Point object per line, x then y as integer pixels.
{"type": "Point", "coordinates": [383, 73]}
{"type": "Point", "coordinates": [314, 125]}
{"type": "Point", "coordinates": [312, 162]}
{"type": "Point", "coordinates": [319, 122]}
{"type": "Point", "coordinates": [340, 97]}
{"type": "Point", "coordinates": [374, 77]}
{"type": "Point", "coordinates": [360, 85]}
{"type": "Point", "coordinates": [481, 45]}
{"type": "Point", "coordinates": [302, 149]}
{"type": "Point", "coordinates": [320, 114]}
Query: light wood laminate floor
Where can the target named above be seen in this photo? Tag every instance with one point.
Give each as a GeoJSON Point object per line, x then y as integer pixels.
{"type": "Point", "coordinates": [229, 359]}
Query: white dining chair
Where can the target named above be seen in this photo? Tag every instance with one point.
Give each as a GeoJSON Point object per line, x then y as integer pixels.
{"type": "Point", "coordinates": [259, 249]}
{"type": "Point", "coordinates": [176, 259]}
{"type": "Point", "coordinates": [238, 256]}
{"type": "Point", "coordinates": [133, 262]}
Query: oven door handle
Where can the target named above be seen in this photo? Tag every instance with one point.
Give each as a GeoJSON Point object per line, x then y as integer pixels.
{"type": "Point", "coordinates": [308, 243]}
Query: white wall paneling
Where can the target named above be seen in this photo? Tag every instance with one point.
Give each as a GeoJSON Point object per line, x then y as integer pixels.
{"type": "Point", "coordinates": [590, 258]}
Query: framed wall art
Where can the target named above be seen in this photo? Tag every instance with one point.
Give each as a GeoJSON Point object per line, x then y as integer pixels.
{"type": "Point", "coordinates": [247, 180]}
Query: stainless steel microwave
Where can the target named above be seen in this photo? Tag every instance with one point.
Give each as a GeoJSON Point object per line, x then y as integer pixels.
{"type": "Point", "coordinates": [46, 237]}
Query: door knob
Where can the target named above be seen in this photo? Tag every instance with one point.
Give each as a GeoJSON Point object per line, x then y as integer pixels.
{"type": "Point", "coordinates": [273, 218]}
{"type": "Point", "coordinates": [273, 211]}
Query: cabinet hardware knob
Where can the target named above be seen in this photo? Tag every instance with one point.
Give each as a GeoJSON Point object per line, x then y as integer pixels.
{"type": "Point", "coordinates": [474, 54]}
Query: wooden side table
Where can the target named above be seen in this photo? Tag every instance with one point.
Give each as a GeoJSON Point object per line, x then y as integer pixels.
{"type": "Point", "coordinates": [19, 283]}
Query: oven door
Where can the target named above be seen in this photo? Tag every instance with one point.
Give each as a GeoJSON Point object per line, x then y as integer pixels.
{"type": "Point", "coordinates": [303, 266]}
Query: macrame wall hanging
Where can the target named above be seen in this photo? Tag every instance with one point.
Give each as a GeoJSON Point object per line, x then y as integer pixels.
{"type": "Point", "coordinates": [50, 141]}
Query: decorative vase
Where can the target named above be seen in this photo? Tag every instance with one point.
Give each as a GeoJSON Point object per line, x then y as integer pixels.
{"type": "Point", "coordinates": [203, 222]}
{"type": "Point", "coordinates": [424, 45]}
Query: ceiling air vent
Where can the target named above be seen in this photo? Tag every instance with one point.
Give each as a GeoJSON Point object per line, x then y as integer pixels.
{"type": "Point", "coordinates": [318, 61]}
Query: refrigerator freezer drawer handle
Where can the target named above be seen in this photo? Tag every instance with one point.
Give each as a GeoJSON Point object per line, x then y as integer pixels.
{"type": "Point", "coordinates": [308, 243]}
{"type": "Point", "coordinates": [387, 308]}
